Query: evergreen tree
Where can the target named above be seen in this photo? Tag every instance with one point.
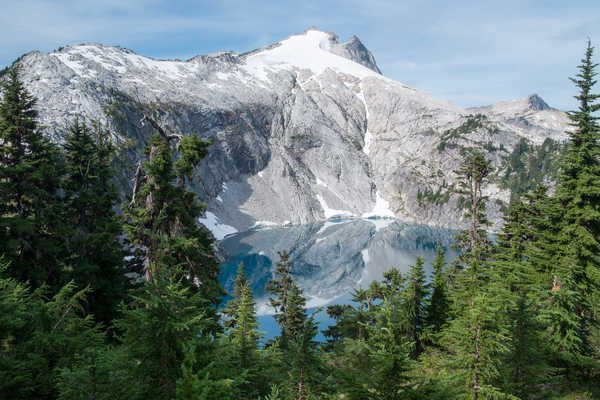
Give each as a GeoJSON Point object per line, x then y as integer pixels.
{"type": "Point", "coordinates": [95, 251]}
{"type": "Point", "coordinates": [513, 286]}
{"type": "Point", "coordinates": [297, 332]}
{"type": "Point", "coordinates": [162, 216]}
{"type": "Point", "coordinates": [286, 298]}
{"type": "Point", "coordinates": [576, 268]}
{"type": "Point", "coordinates": [244, 338]}
{"type": "Point", "coordinates": [472, 176]}
{"type": "Point", "coordinates": [475, 339]}
{"type": "Point", "coordinates": [100, 373]}
{"type": "Point", "coordinates": [176, 310]}
{"type": "Point", "coordinates": [165, 319]}
{"type": "Point", "coordinates": [200, 385]}
{"type": "Point", "coordinates": [294, 319]}
{"type": "Point", "coordinates": [437, 312]}
{"type": "Point", "coordinates": [231, 309]}
{"type": "Point", "coordinates": [30, 207]}
{"type": "Point", "coordinates": [416, 293]}
{"type": "Point", "coordinates": [40, 337]}
{"type": "Point", "coordinates": [304, 360]}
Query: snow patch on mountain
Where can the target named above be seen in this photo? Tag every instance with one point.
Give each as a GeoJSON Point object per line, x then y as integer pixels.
{"type": "Point", "coordinates": [310, 50]}
{"type": "Point", "coordinates": [381, 209]}
{"type": "Point", "coordinates": [331, 212]}
{"type": "Point", "coordinates": [218, 229]}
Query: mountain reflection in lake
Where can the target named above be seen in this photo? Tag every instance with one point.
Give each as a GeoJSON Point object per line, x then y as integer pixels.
{"type": "Point", "coordinates": [329, 258]}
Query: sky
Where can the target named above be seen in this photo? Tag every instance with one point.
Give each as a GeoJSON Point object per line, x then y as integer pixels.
{"type": "Point", "coordinates": [469, 52]}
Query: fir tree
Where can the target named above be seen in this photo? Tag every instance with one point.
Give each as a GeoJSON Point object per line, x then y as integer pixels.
{"type": "Point", "coordinates": [162, 215]}
{"type": "Point", "coordinates": [297, 331]}
{"type": "Point", "coordinates": [513, 286]}
{"type": "Point", "coordinates": [472, 177]}
{"type": "Point", "coordinates": [437, 312]}
{"type": "Point", "coordinates": [576, 270]}
{"type": "Point", "coordinates": [95, 251]}
{"type": "Point", "coordinates": [101, 373]}
{"type": "Point", "coordinates": [40, 336]}
{"type": "Point", "coordinates": [281, 288]}
{"type": "Point", "coordinates": [165, 319]}
{"type": "Point", "coordinates": [244, 338]}
{"type": "Point", "coordinates": [416, 294]}
{"type": "Point", "coordinates": [475, 339]}
{"type": "Point", "coordinates": [200, 385]}
{"type": "Point", "coordinates": [30, 208]}
{"type": "Point", "coordinates": [231, 309]}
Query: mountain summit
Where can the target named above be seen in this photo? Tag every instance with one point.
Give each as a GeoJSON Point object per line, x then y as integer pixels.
{"type": "Point", "coordinates": [303, 130]}
{"type": "Point", "coordinates": [315, 50]}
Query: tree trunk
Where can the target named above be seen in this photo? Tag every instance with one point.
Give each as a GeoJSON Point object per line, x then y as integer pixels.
{"type": "Point", "coordinates": [301, 394]}
{"type": "Point", "coordinates": [476, 360]}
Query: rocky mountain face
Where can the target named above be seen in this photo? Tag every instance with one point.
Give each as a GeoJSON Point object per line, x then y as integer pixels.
{"type": "Point", "coordinates": [302, 130]}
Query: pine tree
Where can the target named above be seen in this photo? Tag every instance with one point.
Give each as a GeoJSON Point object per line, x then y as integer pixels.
{"type": "Point", "coordinates": [40, 335]}
{"type": "Point", "coordinates": [474, 338]}
{"type": "Point", "coordinates": [416, 293]}
{"type": "Point", "coordinates": [513, 286]}
{"type": "Point", "coordinates": [576, 269]}
{"type": "Point", "coordinates": [176, 308]}
{"type": "Point", "coordinates": [100, 373]}
{"type": "Point", "coordinates": [297, 331]}
{"type": "Point", "coordinates": [281, 289]}
{"type": "Point", "coordinates": [162, 217]}
{"type": "Point", "coordinates": [437, 312]}
{"type": "Point", "coordinates": [244, 337]}
{"type": "Point", "coordinates": [231, 309]}
{"type": "Point", "coordinates": [95, 251]}
{"type": "Point", "coordinates": [164, 320]}
{"type": "Point", "coordinates": [200, 385]}
{"type": "Point", "coordinates": [303, 359]}
{"type": "Point", "coordinates": [472, 176]}
{"type": "Point", "coordinates": [30, 207]}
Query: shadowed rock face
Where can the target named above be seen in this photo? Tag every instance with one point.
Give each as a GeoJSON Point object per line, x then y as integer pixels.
{"type": "Point", "coordinates": [330, 259]}
{"type": "Point", "coordinates": [354, 50]}
{"type": "Point", "coordinates": [302, 130]}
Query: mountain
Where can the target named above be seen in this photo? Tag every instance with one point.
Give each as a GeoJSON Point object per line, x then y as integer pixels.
{"type": "Point", "coordinates": [302, 130]}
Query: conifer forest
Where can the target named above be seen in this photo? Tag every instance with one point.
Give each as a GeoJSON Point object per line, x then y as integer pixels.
{"type": "Point", "coordinates": [107, 294]}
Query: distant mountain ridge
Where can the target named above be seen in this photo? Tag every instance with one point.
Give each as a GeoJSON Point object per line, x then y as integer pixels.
{"type": "Point", "coordinates": [302, 130]}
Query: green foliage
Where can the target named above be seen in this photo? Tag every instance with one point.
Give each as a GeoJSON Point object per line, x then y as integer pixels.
{"type": "Point", "coordinates": [439, 197]}
{"type": "Point", "coordinates": [231, 309]}
{"type": "Point", "coordinates": [576, 268]}
{"type": "Point", "coordinates": [161, 220]}
{"type": "Point", "coordinates": [201, 385]}
{"type": "Point", "coordinates": [437, 312]}
{"type": "Point", "coordinates": [31, 222]}
{"type": "Point", "coordinates": [242, 344]}
{"type": "Point", "coordinates": [100, 372]}
{"type": "Point", "coordinates": [473, 123]}
{"type": "Point", "coordinates": [529, 165]}
{"type": "Point", "coordinates": [93, 234]}
{"type": "Point", "coordinates": [40, 337]}
{"type": "Point", "coordinates": [286, 298]}
{"type": "Point", "coordinates": [157, 326]}
{"type": "Point", "coordinates": [525, 362]}
{"type": "Point", "coordinates": [472, 177]}
{"type": "Point", "coordinates": [417, 293]}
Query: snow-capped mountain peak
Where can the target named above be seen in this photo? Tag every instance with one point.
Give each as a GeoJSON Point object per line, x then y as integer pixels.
{"type": "Point", "coordinates": [316, 51]}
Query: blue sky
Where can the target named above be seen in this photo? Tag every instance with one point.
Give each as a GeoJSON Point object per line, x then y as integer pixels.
{"type": "Point", "coordinates": [469, 52]}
